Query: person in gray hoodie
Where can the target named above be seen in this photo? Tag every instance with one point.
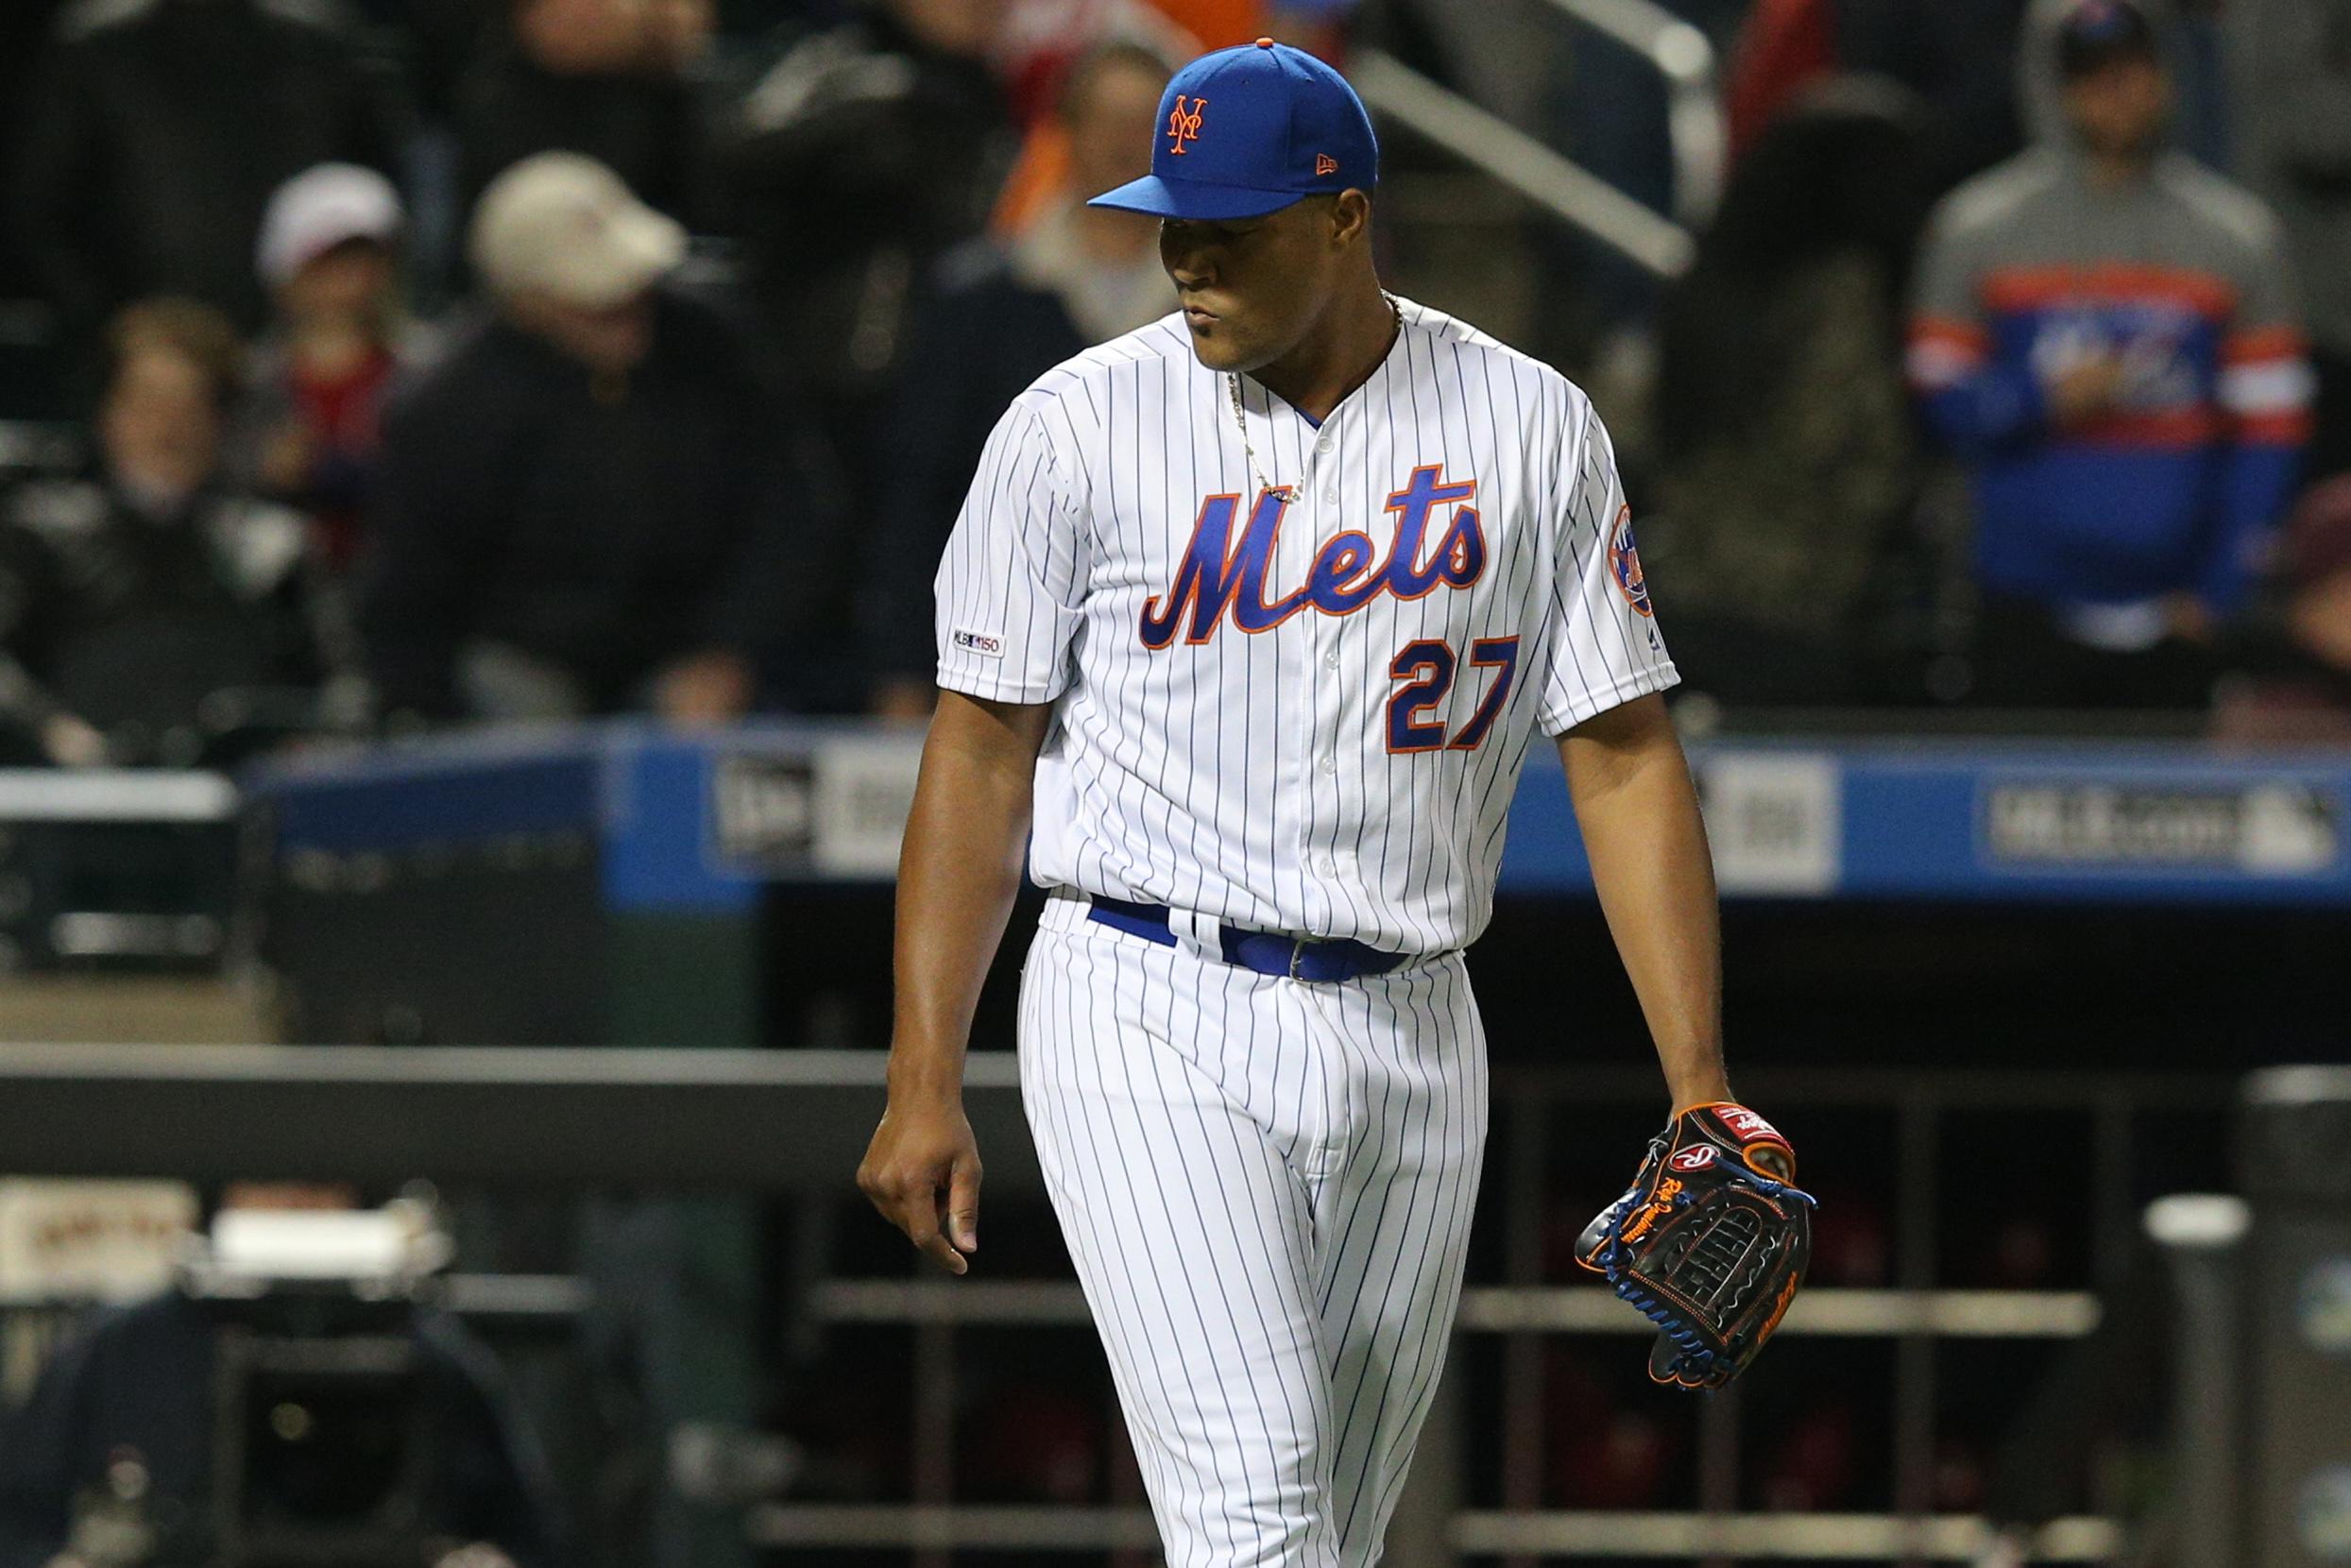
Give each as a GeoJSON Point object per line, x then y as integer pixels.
{"type": "Point", "coordinates": [2296, 147]}
{"type": "Point", "coordinates": [2105, 334]}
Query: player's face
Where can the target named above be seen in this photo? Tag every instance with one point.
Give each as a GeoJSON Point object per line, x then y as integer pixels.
{"type": "Point", "coordinates": [1253, 289]}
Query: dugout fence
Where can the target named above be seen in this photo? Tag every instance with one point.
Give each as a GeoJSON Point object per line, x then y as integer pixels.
{"type": "Point", "coordinates": [2117, 1119]}
{"type": "Point", "coordinates": [791, 1122]}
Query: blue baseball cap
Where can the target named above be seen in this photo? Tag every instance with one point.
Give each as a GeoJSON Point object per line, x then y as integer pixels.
{"type": "Point", "coordinates": [2096, 33]}
{"type": "Point", "coordinates": [1247, 131]}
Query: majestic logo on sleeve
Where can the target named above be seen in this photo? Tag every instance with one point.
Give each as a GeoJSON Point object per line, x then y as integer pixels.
{"type": "Point", "coordinates": [1183, 123]}
{"type": "Point", "coordinates": [1624, 564]}
{"type": "Point", "coordinates": [1219, 577]}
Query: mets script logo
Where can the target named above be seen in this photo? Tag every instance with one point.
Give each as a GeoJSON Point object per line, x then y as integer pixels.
{"type": "Point", "coordinates": [1624, 564]}
{"type": "Point", "coordinates": [1183, 123]}
{"type": "Point", "coordinates": [1218, 576]}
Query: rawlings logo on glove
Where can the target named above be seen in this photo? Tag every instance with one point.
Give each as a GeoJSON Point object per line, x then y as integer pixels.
{"type": "Point", "coordinates": [1710, 1242]}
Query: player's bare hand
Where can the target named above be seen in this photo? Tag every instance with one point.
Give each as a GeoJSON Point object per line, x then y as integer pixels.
{"type": "Point", "coordinates": [922, 1171]}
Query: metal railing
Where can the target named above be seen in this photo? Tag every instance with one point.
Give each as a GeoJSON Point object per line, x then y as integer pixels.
{"type": "Point", "coordinates": [1683, 60]}
{"type": "Point", "coordinates": [236, 1096]}
{"type": "Point", "coordinates": [1551, 180]}
{"type": "Point", "coordinates": [1694, 115]}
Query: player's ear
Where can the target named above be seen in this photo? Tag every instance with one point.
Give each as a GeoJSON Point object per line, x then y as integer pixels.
{"type": "Point", "coordinates": [1351, 217]}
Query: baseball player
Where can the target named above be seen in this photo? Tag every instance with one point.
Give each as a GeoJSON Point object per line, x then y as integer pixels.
{"type": "Point", "coordinates": [1243, 632]}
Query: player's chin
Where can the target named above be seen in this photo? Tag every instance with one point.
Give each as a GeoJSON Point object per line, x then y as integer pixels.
{"type": "Point", "coordinates": [1214, 346]}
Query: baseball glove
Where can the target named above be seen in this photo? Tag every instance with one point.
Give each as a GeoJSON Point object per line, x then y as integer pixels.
{"type": "Point", "coordinates": [1710, 1242]}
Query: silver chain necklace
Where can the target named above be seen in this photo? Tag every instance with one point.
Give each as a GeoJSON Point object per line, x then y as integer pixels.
{"type": "Point", "coordinates": [1240, 414]}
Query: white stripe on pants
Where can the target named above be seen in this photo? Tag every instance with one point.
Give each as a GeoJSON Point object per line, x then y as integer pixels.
{"type": "Point", "coordinates": [1266, 1186]}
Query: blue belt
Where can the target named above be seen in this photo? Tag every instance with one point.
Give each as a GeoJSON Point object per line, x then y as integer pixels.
{"type": "Point", "coordinates": [1343, 959]}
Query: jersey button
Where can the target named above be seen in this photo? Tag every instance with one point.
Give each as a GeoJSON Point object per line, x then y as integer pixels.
{"type": "Point", "coordinates": [1331, 495]}
{"type": "Point", "coordinates": [1330, 660]}
{"type": "Point", "coordinates": [1329, 763]}
{"type": "Point", "coordinates": [1325, 444]}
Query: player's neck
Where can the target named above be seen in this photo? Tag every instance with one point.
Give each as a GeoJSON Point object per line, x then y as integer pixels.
{"type": "Point", "coordinates": [1338, 356]}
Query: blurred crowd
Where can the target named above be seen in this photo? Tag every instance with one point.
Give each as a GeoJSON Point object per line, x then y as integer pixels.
{"type": "Point", "coordinates": [443, 361]}
{"type": "Point", "coordinates": [2012, 373]}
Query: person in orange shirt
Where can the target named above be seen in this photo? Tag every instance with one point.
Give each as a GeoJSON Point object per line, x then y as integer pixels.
{"type": "Point", "coordinates": [1312, 24]}
{"type": "Point", "coordinates": [1217, 23]}
{"type": "Point", "coordinates": [1046, 36]}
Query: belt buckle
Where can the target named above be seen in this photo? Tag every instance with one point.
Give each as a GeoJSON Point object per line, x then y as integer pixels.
{"type": "Point", "coordinates": [1297, 956]}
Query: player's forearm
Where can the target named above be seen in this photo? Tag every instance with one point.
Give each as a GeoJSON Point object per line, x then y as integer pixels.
{"type": "Point", "coordinates": [1639, 815]}
{"type": "Point", "coordinates": [958, 873]}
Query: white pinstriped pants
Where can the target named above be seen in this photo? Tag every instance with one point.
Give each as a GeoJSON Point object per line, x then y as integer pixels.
{"type": "Point", "coordinates": [1266, 1187]}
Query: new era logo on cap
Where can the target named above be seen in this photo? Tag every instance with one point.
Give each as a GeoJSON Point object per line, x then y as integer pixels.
{"type": "Point", "coordinates": [1285, 126]}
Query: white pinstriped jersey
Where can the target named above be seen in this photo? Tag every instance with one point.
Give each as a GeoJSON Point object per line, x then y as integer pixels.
{"type": "Point", "coordinates": [1305, 710]}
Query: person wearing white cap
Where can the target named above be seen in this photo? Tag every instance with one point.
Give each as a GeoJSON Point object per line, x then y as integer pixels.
{"type": "Point", "coordinates": [595, 502]}
{"type": "Point", "coordinates": [572, 255]}
{"type": "Point", "coordinates": [310, 428]}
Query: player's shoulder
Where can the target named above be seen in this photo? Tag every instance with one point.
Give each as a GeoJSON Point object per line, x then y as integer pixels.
{"type": "Point", "coordinates": [1160, 341]}
{"type": "Point", "coordinates": [1071, 394]}
{"type": "Point", "coordinates": [2239, 217]}
{"type": "Point", "coordinates": [1459, 351]}
{"type": "Point", "coordinates": [1993, 198]}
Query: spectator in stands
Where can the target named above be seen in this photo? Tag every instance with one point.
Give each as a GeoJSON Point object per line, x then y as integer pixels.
{"type": "Point", "coordinates": [1003, 316]}
{"type": "Point", "coordinates": [1959, 60]}
{"type": "Point", "coordinates": [157, 132]}
{"type": "Point", "coordinates": [2296, 140]}
{"type": "Point", "coordinates": [2106, 336]}
{"type": "Point", "coordinates": [2294, 676]}
{"type": "Point", "coordinates": [859, 158]}
{"type": "Point", "coordinates": [311, 425]}
{"type": "Point", "coordinates": [594, 502]}
{"type": "Point", "coordinates": [610, 78]}
{"type": "Point", "coordinates": [2187, 34]}
{"type": "Point", "coordinates": [112, 1459]}
{"type": "Point", "coordinates": [143, 609]}
{"type": "Point", "coordinates": [23, 26]}
{"type": "Point", "coordinates": [1787, 459]}
{"type": "Point", "coordinates": [1222, 23]}
{"type": "Point", "coordinates": [863, 155]}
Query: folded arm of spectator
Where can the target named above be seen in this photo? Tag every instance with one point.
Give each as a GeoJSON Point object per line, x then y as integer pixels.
{"type": "Point", "coordinates": [787, 553]}
{"type": "Point", "coordinates": [435, 532]}
{"type": "Point", "coordinates": [1975, 400]}
{"type": "Point", "coordinates": [1974, 405]}
{"type": "Point", "coordinates": [933, 454]}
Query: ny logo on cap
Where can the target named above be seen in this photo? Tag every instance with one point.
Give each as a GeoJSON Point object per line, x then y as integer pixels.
{"type": "Point", "coordinates": [1183, 123]}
